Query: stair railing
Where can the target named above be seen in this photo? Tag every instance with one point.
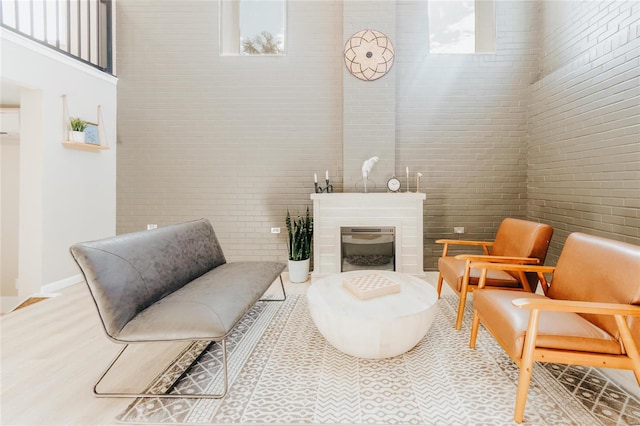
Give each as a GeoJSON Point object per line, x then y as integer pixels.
{"type": "Point", "coordinates": [81, 29]}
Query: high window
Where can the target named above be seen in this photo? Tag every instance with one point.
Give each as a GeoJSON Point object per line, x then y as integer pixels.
{"type": "Point", "coordinates": [462, 26]}
{"type": "Point", "coordinates": [252, 27]}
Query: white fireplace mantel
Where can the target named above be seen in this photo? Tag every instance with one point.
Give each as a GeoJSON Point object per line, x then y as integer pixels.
{"type": "Point", "coordinates": [404, 211]}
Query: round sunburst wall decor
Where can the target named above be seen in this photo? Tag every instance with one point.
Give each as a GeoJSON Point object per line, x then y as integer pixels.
{"type": "Point", "coordinates": [368, 55]}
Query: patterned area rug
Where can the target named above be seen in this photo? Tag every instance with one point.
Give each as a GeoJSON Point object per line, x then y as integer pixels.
{"type": "Point", "coordinates": [282, 371]}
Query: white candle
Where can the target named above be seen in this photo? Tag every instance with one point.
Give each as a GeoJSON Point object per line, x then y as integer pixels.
{"type": "Point", "coordinates": [407, 178]}
{"type": "Point", "coordinates": [315, 178]}
{"type": "Point", "coordinates": [326, 174]}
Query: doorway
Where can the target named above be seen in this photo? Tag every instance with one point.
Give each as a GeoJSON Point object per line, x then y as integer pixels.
{"type": "Point", "coordinates": [9, 206]}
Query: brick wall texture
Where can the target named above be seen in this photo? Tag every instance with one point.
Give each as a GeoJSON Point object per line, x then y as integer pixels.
{"type": "Point", "coordinates": [547, 128]}
{"type": "Point", "coordinates": [584, 125]}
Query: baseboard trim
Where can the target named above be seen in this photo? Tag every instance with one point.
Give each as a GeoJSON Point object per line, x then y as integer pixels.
{"type": "Point", "coordinates": [59, 285]}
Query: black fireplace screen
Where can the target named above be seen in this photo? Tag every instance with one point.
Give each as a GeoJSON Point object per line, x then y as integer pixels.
{"type": "Point", "coordinates": [367, 248]}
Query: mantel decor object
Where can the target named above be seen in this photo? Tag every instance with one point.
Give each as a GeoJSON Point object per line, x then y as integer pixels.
{"type": "Point", "coordinates": [319, 189]}
{"type": "Point", "coordinates": [368, 55]}
{"type": "Point", "coordinates": [366, 169]}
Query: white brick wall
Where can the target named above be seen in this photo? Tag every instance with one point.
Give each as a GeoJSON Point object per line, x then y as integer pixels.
{"type": "Point", "coordinates": [584, 123]}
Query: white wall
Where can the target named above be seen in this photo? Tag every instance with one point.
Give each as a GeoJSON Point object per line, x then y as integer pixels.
{"type": "Point", "coordinates": [66, 196]}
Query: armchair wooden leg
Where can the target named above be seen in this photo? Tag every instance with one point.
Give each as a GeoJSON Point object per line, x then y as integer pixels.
{"type": "Point", "coordinates": [440, 278]}
{"type": "Point", "coordinates": [461, 304]}
{"type": "Point", "coordinates": [629, 345]}
{"type": "Point", "coordinates": [526, 365]}
{"type": "Point", "coordinates": [474, 329]}
{"type": "Point", "coordinates": [463, 295]}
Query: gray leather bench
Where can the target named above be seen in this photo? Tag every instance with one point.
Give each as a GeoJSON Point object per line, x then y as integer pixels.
{"type": "Point", "coordinates": [170, 284]}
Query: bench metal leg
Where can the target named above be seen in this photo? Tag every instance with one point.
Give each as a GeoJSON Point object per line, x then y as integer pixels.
{"type": "Point", "coordinates": [167, 395]}
{"type": "Point", "coordinates": [284, 294]}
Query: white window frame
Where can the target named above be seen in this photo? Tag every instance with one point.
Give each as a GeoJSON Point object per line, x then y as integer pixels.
{"type": "Point", "coordinates": [231, 33]}
{"type": "Point", "coordinates": [485, 29]}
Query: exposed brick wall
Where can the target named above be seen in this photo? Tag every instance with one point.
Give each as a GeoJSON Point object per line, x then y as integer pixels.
{"type": "Point", "coordinates": [584, 124]}
{"type": "Point", "coordinates": [369, 107]}
{"type": "Point", "coordinates": [545, 128]}
{"type": "Point", "coordinates": [461, 122]}
{"type": "Point", "coordinates": [232, 139]}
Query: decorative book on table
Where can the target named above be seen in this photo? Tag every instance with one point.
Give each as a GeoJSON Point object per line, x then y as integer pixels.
{"type": "Point", "coordinates": [369, 286]}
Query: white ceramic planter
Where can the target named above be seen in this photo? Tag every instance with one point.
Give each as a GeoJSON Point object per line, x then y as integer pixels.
{"type": "Point", "coordinates": [298, 270]}
{"type": "Point", "coordinates": [76, 136]}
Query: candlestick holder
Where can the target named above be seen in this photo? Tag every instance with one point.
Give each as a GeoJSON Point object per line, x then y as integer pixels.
{"type": "Point", "coordinates": [319, 190]}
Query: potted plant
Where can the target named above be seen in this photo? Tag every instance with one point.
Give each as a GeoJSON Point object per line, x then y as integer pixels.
{"type": "Point", "coordinates": [77, 129]}
{"type": "Point", "coordinates": [300, 233]}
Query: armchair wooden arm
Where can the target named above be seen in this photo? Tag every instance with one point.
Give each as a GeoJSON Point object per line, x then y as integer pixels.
{"type": "Point", "coordinates": [538, 269]}
{"type": "Point", "coordinates": [513, 267]}
{"type": "Point", "coordinates": [465, 242]}
{"type": "Point", "coordinates": [499, 259]}
{"type": "Point", "coordinates": [484, 244]}
{"type": "Point", "coordinates": [578, 307]}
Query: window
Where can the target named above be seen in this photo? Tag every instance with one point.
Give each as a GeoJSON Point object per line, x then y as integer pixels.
{"type": "Point", "coordinates": [462, 26]}
{"type": "Point", "coordinates": [252, 27]}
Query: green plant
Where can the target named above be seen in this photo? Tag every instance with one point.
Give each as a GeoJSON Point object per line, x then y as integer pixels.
{"type": "Point", "coordinates": [77, 124]}
{"type": "Point", "coordinates": [300, 232]}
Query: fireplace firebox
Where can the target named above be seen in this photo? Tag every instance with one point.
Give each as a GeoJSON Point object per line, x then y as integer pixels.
{"type": "Point", "coordinates": [368, 248]}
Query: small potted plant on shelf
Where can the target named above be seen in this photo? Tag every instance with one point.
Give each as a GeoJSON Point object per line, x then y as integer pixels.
{"type": "Point", "coordinates": [77, 129]}
{"type": "Point", "coordinates": [300, 234]}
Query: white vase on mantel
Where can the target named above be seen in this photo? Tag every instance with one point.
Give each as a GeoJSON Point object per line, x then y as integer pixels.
{"type": "Point", "coordinates": [298, 270]}
{"type": "Point", "coordinates": [76, 136]}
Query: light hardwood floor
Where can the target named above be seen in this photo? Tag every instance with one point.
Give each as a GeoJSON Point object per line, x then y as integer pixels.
{"type": "Point", "coordinates": [53, 351]}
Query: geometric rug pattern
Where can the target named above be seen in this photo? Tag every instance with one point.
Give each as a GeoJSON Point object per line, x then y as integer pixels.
{"type": "Point", "coordinates": [282, 371]}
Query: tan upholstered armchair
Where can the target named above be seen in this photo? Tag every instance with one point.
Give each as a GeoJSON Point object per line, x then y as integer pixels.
{"type": "Point", "coordinates": [517, 241]}
{"type": "Point", "coordinates": [590, 316]}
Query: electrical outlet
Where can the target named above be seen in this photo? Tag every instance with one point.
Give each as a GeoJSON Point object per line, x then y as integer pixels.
{"type": "Point", "coordinates": [458, 229]}
{"type": "Point", "coordinates": [151, 226]}
{"type": "Point", "coordinates": [275, 230]}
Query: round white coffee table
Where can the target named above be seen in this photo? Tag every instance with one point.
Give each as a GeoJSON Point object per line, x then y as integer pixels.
{"type": "Point", "coordinates": [380, 327]}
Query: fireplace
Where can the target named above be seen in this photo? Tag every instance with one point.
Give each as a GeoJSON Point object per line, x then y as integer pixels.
{"type": "Point", "coordinates": [335, 212]}
{"type": "Point", "coordinates": [367, 248]}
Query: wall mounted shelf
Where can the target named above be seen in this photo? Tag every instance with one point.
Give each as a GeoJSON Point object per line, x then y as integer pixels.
{"type": "Point", "coordinates": [92, 143]}
{"type": "Point", "coordinates": [84, 146]}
